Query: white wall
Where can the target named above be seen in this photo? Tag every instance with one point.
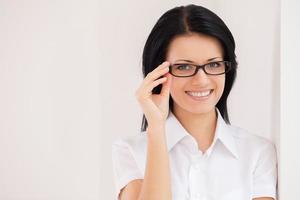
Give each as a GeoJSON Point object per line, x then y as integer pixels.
{"type": "Point", "coordinates": [68, 73]}
{"type": "Point", "coordinates": [289, 173]}
{"type": "Point", "coordinates": [50, 100]}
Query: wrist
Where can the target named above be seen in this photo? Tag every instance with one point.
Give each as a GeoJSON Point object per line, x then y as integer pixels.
{"type": "Point", "coordinates": [156, 127]}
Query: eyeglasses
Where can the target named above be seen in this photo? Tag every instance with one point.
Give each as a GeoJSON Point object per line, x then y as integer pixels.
{"type": "Point", "coordinates": [211, 68]}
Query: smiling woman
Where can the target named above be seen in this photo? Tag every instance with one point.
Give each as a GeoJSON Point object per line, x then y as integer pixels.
{"type": "Point", "coordinates": [197, 92]}
{"type": "Point", "coordinates": [188, 149]}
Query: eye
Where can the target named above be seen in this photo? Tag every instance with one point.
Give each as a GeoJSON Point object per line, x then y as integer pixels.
{"type": "Point", "coordinates": [214, 64]}
{"type": "Point", "coordinates": [183, 67]}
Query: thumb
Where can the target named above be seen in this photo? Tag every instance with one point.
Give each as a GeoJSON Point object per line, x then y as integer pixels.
{"type": "Point", "coordinates": [165, 91]}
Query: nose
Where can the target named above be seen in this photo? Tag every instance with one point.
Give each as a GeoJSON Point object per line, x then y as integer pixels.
{"type": "Point", "coordinates": [200, 78]}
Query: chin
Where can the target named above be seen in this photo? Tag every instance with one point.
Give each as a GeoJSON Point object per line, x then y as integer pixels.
{"type": "Point", "coordinates": [199, 109]}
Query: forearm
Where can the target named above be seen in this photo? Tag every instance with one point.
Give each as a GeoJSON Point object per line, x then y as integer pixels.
{"type": "Point", "coordinates": [157, 179]}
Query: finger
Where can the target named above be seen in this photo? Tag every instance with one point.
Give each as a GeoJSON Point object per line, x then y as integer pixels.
{"type": "Point", "coordinates": [148, 83]}
{"type": "Point", "coordinates": [156, 83]}
{"type": "Point", "coordinates": [167, 85]}
{"type": "Point", "coordinates": [155, 76]}
{"type": "Point", "coordinates": [163, 65]}
{"type": "Point", "coordinates": [157, 72]}
{"type": "Point", "coordinates": [146, 90]}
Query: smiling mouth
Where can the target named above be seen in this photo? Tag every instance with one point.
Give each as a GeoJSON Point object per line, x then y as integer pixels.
{"type": "Point", "coordinates": [198, 94]}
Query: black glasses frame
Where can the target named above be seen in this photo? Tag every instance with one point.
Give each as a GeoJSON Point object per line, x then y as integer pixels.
{"type": "Point", "coordinates": [228, 67]}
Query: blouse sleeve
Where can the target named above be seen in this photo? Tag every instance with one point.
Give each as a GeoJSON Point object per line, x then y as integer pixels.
{"type": "Point", "coordinates": [265, 173]}
{"type": "Point", "coordinates": [125, 167]}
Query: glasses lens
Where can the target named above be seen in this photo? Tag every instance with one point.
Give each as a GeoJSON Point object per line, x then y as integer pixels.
{"type": "Point", "coordinates": [213, 68]}
{"type": "Point", "coordinates": [183, 69]}
{"type": "Point", "coordinates": [218, 67]}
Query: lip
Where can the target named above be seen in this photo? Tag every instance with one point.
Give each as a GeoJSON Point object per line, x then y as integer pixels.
{"type": "Point", "coordinates": [199, 98]}
{"type": "Point", "coordinates": [198, 90]}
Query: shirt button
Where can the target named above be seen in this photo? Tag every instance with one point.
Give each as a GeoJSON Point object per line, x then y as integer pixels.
{"type": "Point", "coordinates": [187, 196]}
{"type": "Point", "coordinates": [197, 166]}
{"type": "Point", "coordinates": [197, 196]}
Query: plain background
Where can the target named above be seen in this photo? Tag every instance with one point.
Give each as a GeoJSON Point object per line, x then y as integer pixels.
{"type": "Point", "coordinates": [69, 71]}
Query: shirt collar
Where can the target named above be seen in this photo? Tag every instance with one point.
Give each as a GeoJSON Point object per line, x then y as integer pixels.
{"type": "Point", "coordinates": [175, 132]}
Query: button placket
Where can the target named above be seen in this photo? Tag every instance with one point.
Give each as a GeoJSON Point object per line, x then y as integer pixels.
{"type": "Point", "coordinates": [199, 163]}
{"type": "Point", "coordinates": [197, 166]}
{"type": "Point", "coordinates": [187, 196]}
{"type": "Point", "coordinates": [197, 196]}
{"type": "Point", "coordinates": [198, 177]}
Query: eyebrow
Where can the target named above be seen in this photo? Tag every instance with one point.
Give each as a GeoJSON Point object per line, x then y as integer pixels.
{"type": "Point", "coordinates": [193, 61]}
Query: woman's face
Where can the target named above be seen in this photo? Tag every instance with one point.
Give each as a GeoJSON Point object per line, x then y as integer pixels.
{"type": "Point", "coordinates": [189, 93]}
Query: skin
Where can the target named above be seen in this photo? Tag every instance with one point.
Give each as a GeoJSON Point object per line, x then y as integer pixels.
{"type": "Point", "coordinates": [197, 117]}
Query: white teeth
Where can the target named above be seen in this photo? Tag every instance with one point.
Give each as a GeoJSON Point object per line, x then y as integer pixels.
{"type": "Point", "coordinates": [199, 94]}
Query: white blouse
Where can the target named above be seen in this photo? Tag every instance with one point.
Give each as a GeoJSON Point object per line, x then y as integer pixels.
{"type": "Point", "coordinates": [237, 166]}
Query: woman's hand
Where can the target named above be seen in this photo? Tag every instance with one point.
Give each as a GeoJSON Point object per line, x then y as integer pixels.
{"type": "Point", "coordinates": [155, 106]}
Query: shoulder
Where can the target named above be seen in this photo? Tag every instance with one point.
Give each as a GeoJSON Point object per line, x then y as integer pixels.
{"type": "Point", "coordinates": [258, 154]}
{"type": "Point", "coordinates": [128, 159]}
{"type": "Point", "coordinates": [131, 142]}
{"type": "Point", "coordinates": [132, 147]}
{"type": "Point", "coordinates": [244, 136]}
{"type": "Point", "coordinates": [251, 144]}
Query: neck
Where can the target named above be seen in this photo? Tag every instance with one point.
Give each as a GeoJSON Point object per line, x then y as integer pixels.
{"type": "Point", "coordinates": [200, 126]}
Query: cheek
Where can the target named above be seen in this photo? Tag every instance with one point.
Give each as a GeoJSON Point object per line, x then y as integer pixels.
{"type": "Point", "coordinates": [220, 85]}
{"type": "Point", "coordinates": [177, 86]}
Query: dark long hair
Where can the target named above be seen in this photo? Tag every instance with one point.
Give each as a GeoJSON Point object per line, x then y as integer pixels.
{"type": "Point", "coordinates": [184, 20]}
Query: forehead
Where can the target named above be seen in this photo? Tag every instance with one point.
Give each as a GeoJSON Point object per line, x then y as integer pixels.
{"type": "Point", "coordinates": [195, 47]}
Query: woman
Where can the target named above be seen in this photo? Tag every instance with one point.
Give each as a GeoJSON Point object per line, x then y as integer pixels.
{"type": "Point", "coordinates": [188, 149]}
